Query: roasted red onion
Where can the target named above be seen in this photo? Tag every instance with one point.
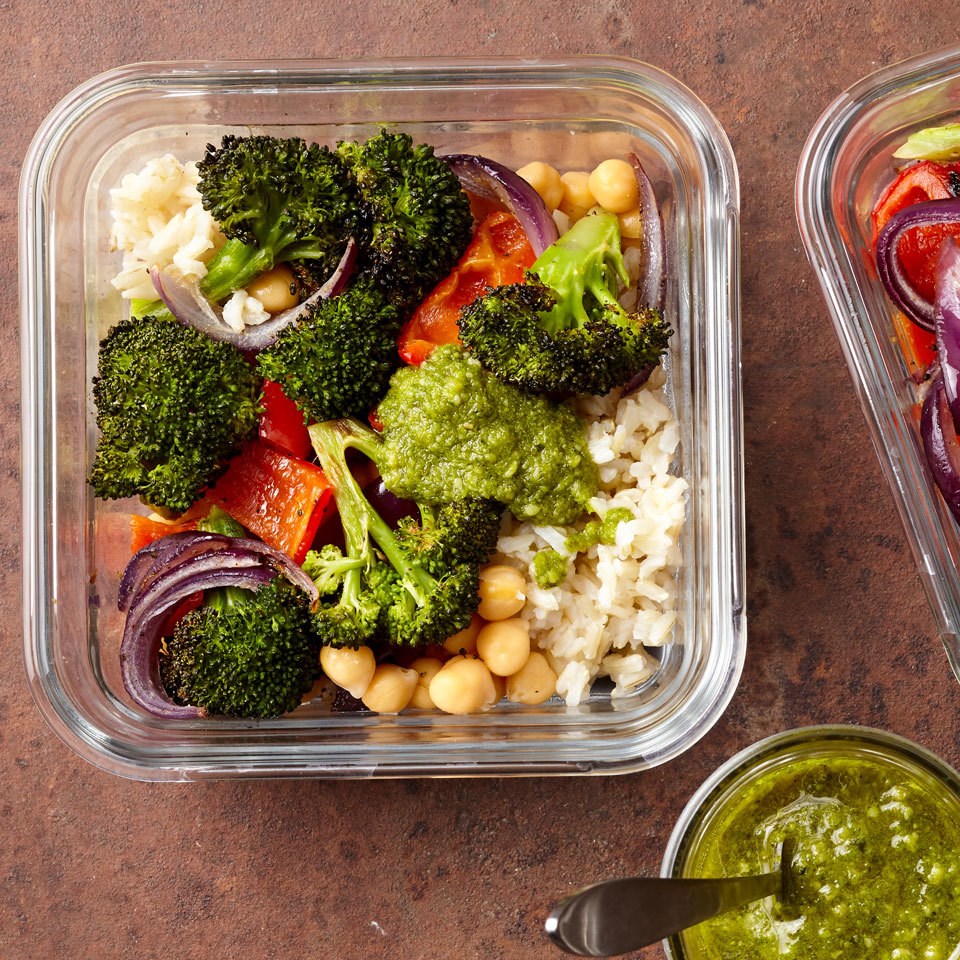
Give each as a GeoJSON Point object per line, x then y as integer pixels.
{"type": "Point", "coordinates": [168, 571]}
{"type": "Point", "coordinates": [939, 435]}
{"type": "Point", "coordinates": [653, 273]}
{"type": "Point", "coordinates": [186, 302]}
{"type": "Point", "coordinates": [493, 181]}
{"type": "Point", "coordinates": [947, 322]}
{"type": "Point", "coordinates": [892, 276]}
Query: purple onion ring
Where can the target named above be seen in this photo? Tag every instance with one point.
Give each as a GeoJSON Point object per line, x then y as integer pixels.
{"type": "Point", "coordinates": [493, 181]}
{"type": "Point", "coordinates": [186, 302]}
{"type": "Point", "coordinates": [892, 275]}
{"type": "Point", "coordinates": [939, 434]}
{"type": "Point", "coordinates": [653, 274]}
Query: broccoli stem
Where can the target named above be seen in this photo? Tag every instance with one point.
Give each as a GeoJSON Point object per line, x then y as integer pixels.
{"type": "Point", "coordinates": [330, 442]}
{"type": "Point", "coordinates": [219, 521]}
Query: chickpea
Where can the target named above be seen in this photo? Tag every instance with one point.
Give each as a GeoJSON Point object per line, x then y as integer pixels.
{"type": "Point", "coordinates": [577, 198]}
{"type": "Point", "coordinates": [631, 224]}
{"type": "Point", "coordinates": [390, 689]}
{"type": "Point", "coordinates": [351, 669]}
{"type": "Point", "coordinates": [500, 685]}
{"type": "Point", "coordinates": [426, 668]}
{"type": "Point", "coordinates": [535, 682]}
{"type": "Point", "coordinates": [614, 185]}
{"type": "Point", "coordinates": [546, 181]}
{"type": "Point", "coordinates": [463, 685]}
{"type": "Point", "coordinates": [504, 646]}
{"type": "Point", "coordinates": [503, 592]}
{"type": "Point", "coordinates": [274, 289]}
{"type": "Point", "coordinates": [466, 640]}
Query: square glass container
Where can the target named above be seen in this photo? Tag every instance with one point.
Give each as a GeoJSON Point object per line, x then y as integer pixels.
{"type": "Point", "coordinates": [572, 113]}
{"type": "Point", "coordinates": [846, 163]}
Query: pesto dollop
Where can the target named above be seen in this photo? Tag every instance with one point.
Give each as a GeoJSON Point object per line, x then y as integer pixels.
{"type": "Point", "coordinates": [451, 430]}
{"type": "Point", "coordinates": [876, 867]}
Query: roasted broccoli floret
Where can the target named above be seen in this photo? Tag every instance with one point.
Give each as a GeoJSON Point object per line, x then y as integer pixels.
{"type": "Point", "coordinates": [564, 329]}
{"type": "Point", "coordinates": [172, 407]}
{"type": "Point", "coordinates": [417, 217]}
{"type": "Point", "coordinates": [327, 568]}
{"type": "Point", "coordinates": [275, 200]}
{"type": "Point", "coordinates": [336, 361]}
{"type": "Point", "coordinates": [244, 653]}
{"type": "Point", "coordinates": [406, 591]}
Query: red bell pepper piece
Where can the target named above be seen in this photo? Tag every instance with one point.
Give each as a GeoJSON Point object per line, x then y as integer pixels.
{"type": "Point", "coordinates": [279, 498]}
{"type": "Point", "coordinates": [281, 423]}
{"type": "Point", "coordinates": [498, 254]}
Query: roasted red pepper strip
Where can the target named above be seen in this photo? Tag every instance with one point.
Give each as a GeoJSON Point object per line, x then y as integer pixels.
{"type": "Point", "coordinates": [143, 530]}
{"type": "Point", "coordinates": [919, 249]}
{"type": "Point", "coordinates": [278, 498]}
{"type": "Point", "coordinates": [498, 254]}
{"type": "Point", "coordinates": [281, 423]}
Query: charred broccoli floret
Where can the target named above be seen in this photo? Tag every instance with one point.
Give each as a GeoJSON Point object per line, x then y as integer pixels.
{"type": "Point", "coordinates": [172, 407]}
{"type": "Point", "coordinates": [417, 217]}
{"type": "Point", "coordinates": [564, 329]}
{"type": "Point", "coordinates": [244, 653]}
{"type": "Point", "coordinates": [336, 361]}
{"type": "Point", "coordinates": [412, 588]}
{"type": "Point", "coordinates": [275, 200]}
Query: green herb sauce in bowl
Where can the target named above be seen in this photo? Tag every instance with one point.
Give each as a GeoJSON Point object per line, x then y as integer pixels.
{"type": "Point", "coordinates": [876, 868]}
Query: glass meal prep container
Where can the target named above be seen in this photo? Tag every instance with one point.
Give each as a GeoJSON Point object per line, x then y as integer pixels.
{"type": "Point", "coordinates": [846, 163]}
{"type": "Point", "coordinates": [572, 113]}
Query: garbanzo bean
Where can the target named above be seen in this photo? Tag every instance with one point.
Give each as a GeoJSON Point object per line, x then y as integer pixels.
{"type": "Point", "coordinates": [546, 181]}
{"type": "Point", "coordinates": [614, 186]}
{"type": "Point", "coordinates": [535, 682]}
{"type": "Point", "coordinates": [351, 669]}
{"type": "Point", "coordinates": [504, 646]}
{"type": "Point", "coordinates": [463, 685]}
{"type": "Point", "coordinates": [274, 289]}
{"type": "Point", "coordinates": [466, 640]}
{"type": "Point", "coordinates": [577, 198]}
{"type": "Point", "coordinates": [631, 224]}
{"type": "Point", "coordinates": [426, 668]}
{"type": "Point", "coordinates": [503, 592]}
{"type": "Point", "coordinates": [390, 689]}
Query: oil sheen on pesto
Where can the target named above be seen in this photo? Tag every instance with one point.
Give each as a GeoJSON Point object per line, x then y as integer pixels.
{"type": "Point", "coordinates": [877, 866]}
{"type": "Point", "coordinates": [451, 430]}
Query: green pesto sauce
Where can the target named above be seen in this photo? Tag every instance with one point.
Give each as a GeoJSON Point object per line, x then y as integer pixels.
{"type": "Point", "coordinates": [451, 430]}
{"type": "Point", "coordinates": [549, 568]}
{"type": "Point", "coordinates": [877, 866]}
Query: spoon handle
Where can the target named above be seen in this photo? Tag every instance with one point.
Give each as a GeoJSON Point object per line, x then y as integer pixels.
{"type": "Point", "coordinates": [617, 916]}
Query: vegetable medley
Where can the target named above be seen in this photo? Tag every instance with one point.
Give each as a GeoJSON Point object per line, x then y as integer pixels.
{"type": "Point", "coordinates": [330, 404]}
{"type": "Point", "coordinates": [916, 229]}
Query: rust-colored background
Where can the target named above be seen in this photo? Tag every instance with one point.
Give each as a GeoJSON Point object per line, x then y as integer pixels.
{"type": "Point", "coordinates": [95, 867]}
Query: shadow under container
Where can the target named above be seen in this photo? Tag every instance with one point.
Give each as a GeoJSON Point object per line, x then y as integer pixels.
{"type": "Point", "coordinates": [846, 163]}
{"type": "Point", "coordinates": [724, 792]}
{"type": "Point", "coordinates": [573, 113]}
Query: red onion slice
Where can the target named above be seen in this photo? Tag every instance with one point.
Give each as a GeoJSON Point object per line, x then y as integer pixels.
{"type": "Point", "coordinates": [493, 181]}
{"type": "Point", "coordinates": [187, 303]}
{"type": "Point", "coordinates": [166, 572]}
{"type": "Point", "coordinates": [939, 434]}
{"type": "Point", "coordinates": [947, 321]}
{"type": "Point", "coordinates": [892, 275]}
{"type": "Point", "coordinates": [139, 664]}
{"type": "Point", "coordinates": [653, 274]}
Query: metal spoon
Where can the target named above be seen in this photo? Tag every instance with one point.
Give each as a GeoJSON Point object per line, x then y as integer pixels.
{"type": "Point", "coordinates": [617, 916]}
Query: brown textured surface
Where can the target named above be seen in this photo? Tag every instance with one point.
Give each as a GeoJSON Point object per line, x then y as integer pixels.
{"type": "Point", "coordinates": [95, 867]}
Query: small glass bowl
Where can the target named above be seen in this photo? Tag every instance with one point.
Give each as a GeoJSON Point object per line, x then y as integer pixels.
{"type": "Point", "coordinates": [575, 112]}
{"type": "Point", "coordinates": [714, 800]}
{"type": "Point", "coordinates": [846, 163]}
